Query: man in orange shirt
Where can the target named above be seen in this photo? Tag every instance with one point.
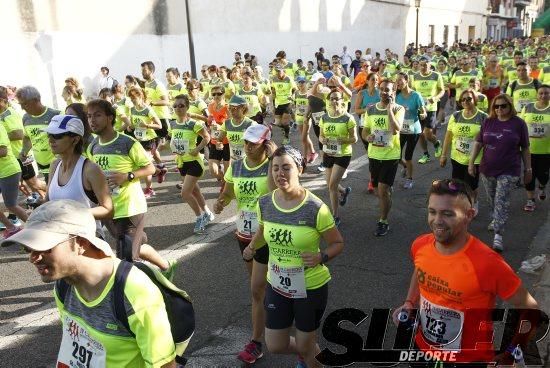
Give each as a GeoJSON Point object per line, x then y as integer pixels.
{"type": "Point", "coordinates": [456, 281]}
{"type": "Point", "coordinates": [361, 79]}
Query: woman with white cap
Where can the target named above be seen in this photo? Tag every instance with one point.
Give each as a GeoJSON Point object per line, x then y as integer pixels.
{"type": "Point", "coordinates": [73, 176]}
{"type": "Point", "coordinates": [247, 180]}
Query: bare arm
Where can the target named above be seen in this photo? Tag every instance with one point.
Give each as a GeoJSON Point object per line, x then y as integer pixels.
{"type": "Point", "coordinates": [16, 135]}
{"type": "Point", "coordinates": [96, 181]}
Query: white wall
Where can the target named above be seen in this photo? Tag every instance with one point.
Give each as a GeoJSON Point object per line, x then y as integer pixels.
{"type": "Point", "coordinates": [51, 40]}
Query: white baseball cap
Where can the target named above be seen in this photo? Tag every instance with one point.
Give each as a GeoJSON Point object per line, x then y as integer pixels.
{"type": "Point", "coordinates": [257, 133]}
{"type": "Point", "coordinates": [65, 124]}
{"type": "Point", "coordinates": [55, 222]}
{"type": "Point", "coordinates": [316, 76]}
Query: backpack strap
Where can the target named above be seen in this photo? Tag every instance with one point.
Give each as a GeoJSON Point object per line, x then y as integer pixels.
{"type": "Point", "coordinates": [62, 287]}
{"type": "Point", "coordinates": [513, 87]}
{"type": "Point", "coordinates": [121, 275]}
{"type": "Point", "coordinates": [536, 84]}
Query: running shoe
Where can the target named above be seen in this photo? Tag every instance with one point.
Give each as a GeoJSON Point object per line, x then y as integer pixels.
{"type": "Point", "coordinates": [424, 159]}
{"type": "Point", "coordinates": [344, 196]}
{"type": "Point", "coordinates": [286, 141]}
{"type": "Point", "coordinates": [9, 233]}
{"type": "Point", "coordinates": [370, 188]}
{"type": "Point", "coordinates": [199, 226]}
{"type": "Point", "coordinates": [408, 183]}
{"type": "Point", "coordinates": [16, 221]}
{"type": "Point", "coordinates": [542, 193]}
{"type": "Point", "coordinates": [491, 226]}
{"type": "Point", "coordinates": [312, 157]}
{"type": "Point", "coordinates": [497, 243]}
{"type": "Point", "coordinates": [382, 228]}
{"type": "Point", "coordinates": [345, 174]}
{"type": "Point", "coordinates": [179, 186]}
{"type": "Point", "coordinates": [438, 149]}
{"type": "Point", "coordinates": [530, 205]}
{"type": "Point", "coordinates": [169, 273]}
{"type": "Point", "coordinates": [161, 175]}
{"type": "Point", "coordinates": [321, 168]}
{"type": "Point", "coordinates": [251, 353]}
{"type": "Point", "coordinates": [149, 193]}
{"type": "Point", "coordinates": [208, 217]}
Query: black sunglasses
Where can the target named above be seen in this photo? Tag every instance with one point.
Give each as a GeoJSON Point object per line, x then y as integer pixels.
{"type": "Point", "coordinates": [60, 135]}
{"type": "Point", "coordinates": [452, 186]}
{"type": "Point", "coordinates": [179, 106]}
{"type": "Point", "coordinates": [217, 94]}
{"type": "Point", "coordinates": [466, 99]}
{"type": "Point", "coordinates": [500, 106]}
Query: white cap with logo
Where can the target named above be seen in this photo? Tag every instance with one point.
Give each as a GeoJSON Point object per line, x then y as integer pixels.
{"type": "Point", "coordinates": [61, 124]}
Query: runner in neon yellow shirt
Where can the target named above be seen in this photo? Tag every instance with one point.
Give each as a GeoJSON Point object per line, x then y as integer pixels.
{"type": "Point", "coordinates": [254, 97]}
{"type": "Point", "coordinates": [524, 89]}
{"type": "Point", "coordinates": [175, 87]}
{"type": "Point", "coordinates": [338, 134]}
{"type": "Point", "coordinates": [234, 127]}
{"type": "Point", "coordinates": [37, 117]}
{"type": "Point", "coordinates": [247, 180]}
{"type": "Point", "coordinates": [464, 126]}
{"type": "Point", "coordinates": [283, 88]}
{"type": "Point", "coordinates": [383, 121]}
{"type": "Point", "coordinates": [537, 117]}
{"type": "Point", "coordinates": [292, 222]}
{"type": "Point", "coordinates": [184, 133]}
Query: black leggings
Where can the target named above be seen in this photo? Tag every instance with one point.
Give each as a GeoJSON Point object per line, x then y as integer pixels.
{"type": "Point", "coordinates": [365, 143]}
{"type": "Point", "coordinates": [317, 130]}
{"type": "Point", "coordinates": [410, 140]}
{"type": "Point", "coordinates": [541, 168]}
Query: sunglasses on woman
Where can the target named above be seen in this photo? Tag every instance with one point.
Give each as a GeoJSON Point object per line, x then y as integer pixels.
{"type": "Point", "coordinates": [500, 106]}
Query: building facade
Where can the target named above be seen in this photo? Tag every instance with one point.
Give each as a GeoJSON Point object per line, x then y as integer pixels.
{"type": "Point", "coordinates": [512, 18]}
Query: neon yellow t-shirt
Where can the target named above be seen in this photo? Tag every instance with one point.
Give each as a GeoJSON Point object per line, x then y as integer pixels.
{"type": "Point", "coordinates": [146, 115]}
{"type": "Point", "coordinates": [283, 90]}
{"type": "Point", "coordinates": [538, 124]}
{"type": "Point", "coordinates": [249, 184]}
{"type": "Point", "coordinates": [461, 80]}
{"type": "Point", "coordinates": [523, 94]}
{"type": "Point", "coordinates": [34, 129]}
{"type": "Point", "coordinates": [234, 134]}
{"type": "Point", "coordinates": [93, 337]}
{"type": "Point", "coordinates": [123, 154]}
{"type": "Point", "coordinates": [173, 91]}
{"type": "Point", "coordinates": [301, 107]}
{"type": "Point", "coordinates": [464, 133]}
{"type": "Point", "coordinates": [8, 163]}
{"type": "Point", "coordinates": [12, 121]}
{"type": "Point", "coordinates": [184, 139]}
{"type": "Point", "coordinates": [386, 146]}
{"type": "Point", "coordinates": [154, 90]}
{"type": "Point", "coordinates": [288, 233]}
{"type": "Point", "coordinates": [334, 127]}
{"type": "Point", "coordinates": [428, 86]}
{"type": "Point", "coordinates": [252, 98]}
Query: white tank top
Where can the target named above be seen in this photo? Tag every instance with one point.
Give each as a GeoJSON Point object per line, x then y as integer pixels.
{"type": "Point", "coordinates": [73, 189]}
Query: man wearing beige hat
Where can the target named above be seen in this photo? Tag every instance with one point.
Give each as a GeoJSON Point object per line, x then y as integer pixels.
{"type": "Point", "coordinates": [60, 236]}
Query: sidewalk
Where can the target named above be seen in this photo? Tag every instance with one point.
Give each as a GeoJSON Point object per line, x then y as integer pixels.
{"type": "Point", "coordinates": [541, 283]}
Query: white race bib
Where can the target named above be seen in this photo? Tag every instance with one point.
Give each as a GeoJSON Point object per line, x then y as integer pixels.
{"type": "Point", "coordinates": [537, 130]}
{"type": "Point", "coordinates": [179, 145]}
{"type": "Point", "coordinates": [316, 116]}
{"type": "Point", "coordinates": [521, 104]}
{"type": "Point", "coordinates": [247, 222]}
{"type": "Point", "coordinates": [78, 349]}
{"type": "Point", "coordinates": [464, 145]}
{"type": "Point", "coordinates": [407, 126]}
{"type": "Point", "coordinates": [140, 133]}
{"type": "Point", "coordinates": [440, 325]}
{"type": "Point", "coordinates": [332, 147]}
{"type": "Point", "coordinates": [288, 281]}
{"type": "Point", "coordinates": [493, 82]}
{"type": "Point", "coordinates": [237, 152]}
{"type": "Point", "coordinates": [301, 110]}
{"type": "Point", "coordinates": [381, 138]}
{"type": "Point", "coordinates": [215, 132]}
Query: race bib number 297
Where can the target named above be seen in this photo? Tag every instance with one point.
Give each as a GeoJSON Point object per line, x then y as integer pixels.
{"type": "Point", "coordinates": [78, 349]}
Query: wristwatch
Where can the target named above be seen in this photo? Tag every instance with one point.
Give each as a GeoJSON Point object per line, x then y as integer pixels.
{"type": "Point", "coordinates": [324, 257]}
{"type": "Point", "coordinates": [131, 176]}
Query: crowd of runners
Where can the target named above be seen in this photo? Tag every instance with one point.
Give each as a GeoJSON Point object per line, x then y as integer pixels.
{"type": "Point", "coordinates": [106, 151]}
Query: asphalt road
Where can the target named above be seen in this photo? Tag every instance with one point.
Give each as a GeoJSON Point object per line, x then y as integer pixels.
{"type": "Point", "coordinates": [370, 273]}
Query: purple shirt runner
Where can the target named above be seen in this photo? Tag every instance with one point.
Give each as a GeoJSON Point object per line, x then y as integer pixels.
{"type": "Point", "coordinates": [502, 143]}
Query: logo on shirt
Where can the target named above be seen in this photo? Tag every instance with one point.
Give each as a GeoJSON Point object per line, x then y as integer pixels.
{"type": "Point", "coordinates": [103, 162]}
{"type": "Point", "coordinates": [281, 237]}
{"type": "Point", "coordinates": [538, 118]}
{"type": "Point", "coordinates": [248, 187]}
{"type": "Point", "coordinates": [330, 129]}
{"type": "Point", "coordinates": [380, 122]}
{"type": "Point", "coordinates": [524, 93]}
{"type": "Point", "coordinates": [464, 129]}
{"type": "Point", "coordinates": [36, 132]}
{"type": "Point", "coordinates": [234, 137]}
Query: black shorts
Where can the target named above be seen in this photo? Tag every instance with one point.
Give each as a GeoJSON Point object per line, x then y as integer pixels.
{"type": "Point", "coordinates": [306, 313]}
{"type": "Point", "coordinates": [261, 255]}
{"type": "Point", "coordinates": [283, 109]}
{"type": "Point", "coordinates": [429, 122]}
{"type": "Point", "coordinates": [461, 172]}
{"type": "Point", "coordinates": [27, 171]}
{"type": "Point", "coordinates": [149, 145]}
{"type": "Point", "coordinates": [410, 141]}
{"type": "Point", "coordinates": [258, 118]}
{"type": "Point", "coordinates": [163, 131]}
{"type": "Point", "coordinates": [133, 227]}
{"type": "Point", "coordinates": [193, 168]}
{"type": "Point", "coordinates": [541, 170]}
{"type": "Point", "coordinates": [219, 155]}
{"type": "Point", "coordinates": [329, 161]}
{"type": "Point", "coordinates": [382, 171]}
